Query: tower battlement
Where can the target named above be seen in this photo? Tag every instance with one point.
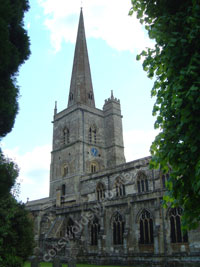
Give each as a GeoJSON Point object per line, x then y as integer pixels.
{"type": "Point", "coordinates": [112, 99]}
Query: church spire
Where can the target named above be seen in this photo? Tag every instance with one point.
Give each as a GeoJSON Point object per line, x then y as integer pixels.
{"type": "Point", "coordinates": [81, 90]}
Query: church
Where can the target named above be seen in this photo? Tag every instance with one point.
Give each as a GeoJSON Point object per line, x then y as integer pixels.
{"type": "Point", "coordinates": [101, 209]}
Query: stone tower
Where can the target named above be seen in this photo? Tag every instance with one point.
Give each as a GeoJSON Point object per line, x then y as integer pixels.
{"type": "Point", "coordinates": [85, 139]}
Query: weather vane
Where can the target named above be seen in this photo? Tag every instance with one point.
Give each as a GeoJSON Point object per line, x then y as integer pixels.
{"type": "Point", "coordinates": [81, 3]}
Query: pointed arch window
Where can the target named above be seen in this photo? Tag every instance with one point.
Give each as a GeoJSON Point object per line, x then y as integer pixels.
{"type": "Point", "coordinates": [120, 188]}
{"type": "Point", "coordinates": [165, 178]}
{"type": "Point", "coordinates": [100, 192]}
{"type": "Point", "coordinates": [90, 95]}
{"type": "Point", "coordinates": [146, 228]}
{"type": "Point", "coordinates": [175, 226]}
{"type": "Point", "coordinates": [93, 167]}
{"type": "Point", "coordinates": [92, 135]}
{"type": "Point", "coordinates": [66, 138]}
{"type": "Point", "coordinates": [71, 96]}
{"type": "Point", "coordinates": [95, 229]}
{"type": "Point", "coordinates": [69, 229]}
{"type": "Point", "coordinates": [142, 183]}
{"type": "Point", "coordinates": [65, 170]}
{"type": "Point", "coordinates": [63, 190]}
{"type": "Point", "coordinates": [118, 229]}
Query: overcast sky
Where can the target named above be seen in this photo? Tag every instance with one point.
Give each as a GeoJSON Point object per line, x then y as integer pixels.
{"type": "Point", "coordinates": [114, 39]}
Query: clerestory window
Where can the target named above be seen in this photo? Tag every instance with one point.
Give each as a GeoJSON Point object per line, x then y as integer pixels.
{"type": "Point", "coordinates": [165, 178]}
{"type": "Point", "coordinates": [142, 183]}
{"type": "Point", "coordinates": [120, 188]}
{"type": "Point", "coordinates": [100, 192]}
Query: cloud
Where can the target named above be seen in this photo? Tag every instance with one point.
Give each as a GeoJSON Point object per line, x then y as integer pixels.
{"type": "Point", "coordinates": [137, 143]}
{"type": "Point", "coordinates": [34, 171]}
{"type": "Point", "coordinates": [35, 165]}
{"type": "Point", "coordinates": [104, 19]}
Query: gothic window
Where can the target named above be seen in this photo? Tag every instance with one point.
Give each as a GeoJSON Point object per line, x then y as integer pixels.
{"type": "Point", "coordinates": [165, 178]}
{"type": "Point", "coordinates": [92, 136]}
{"type": "Point", "coordinates": [45, 225]}
{"type": "Point", "coordinates": [93, 167]}
{"type": "Point", "coordinates": [65, 170]}
{"type": "Point", "coordinates": [95, 229]}
{"type": "Point", "coordinates": [63, 190]}
{"type": "Point", "coordinates": [90, 96]}
{"type": "Point", "coordinates": [118, 229]}
{"type": "Point", "coordinates": [71, 96]}
{"type": "Point", "coordinates": [120, 188]}
{"type": "Point", "coordinates": [146, 228]}
{"type": "Point", "coordinates": [142, 183]}
{"type": "Point", "coordinates": [175, 226]}
{"type": "Point", "coordinates": [95, 136]}
{"type": "Point", "coordinates": [66, 136]}
{"type": "Point", "coordinates": [100, 191]}
{"type": "Point", "coordinates": [69, 229]}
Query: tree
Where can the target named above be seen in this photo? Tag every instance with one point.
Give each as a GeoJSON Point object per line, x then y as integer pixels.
{"type": "Point", "coordinates": [16, 232]}
{"type": "Point", "coordinates": [174, 62]}
{"type": "Point", "coordinates": [9, 172]}
{"type": "Point", "coordinates": [16, 229]}
{"type": "Point", "coordinates": [14, 50]}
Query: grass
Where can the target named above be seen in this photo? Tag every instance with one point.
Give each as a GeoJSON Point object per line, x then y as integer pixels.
{"type": "Point", "coordinates": [46, 264]}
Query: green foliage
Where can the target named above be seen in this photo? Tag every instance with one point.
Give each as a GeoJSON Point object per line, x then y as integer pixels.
{"type": "Point", "coordinates": [9, 173]}
{"type": "Point", "coordinates": [16, 233]}
{"type": "Point", "coordinates": [175, 64]}
{"type": "Point", "coordinates": [14, 50]}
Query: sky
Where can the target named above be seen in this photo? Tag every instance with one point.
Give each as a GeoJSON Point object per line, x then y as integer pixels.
{"type": "Point", "coordinates": [113, 40]}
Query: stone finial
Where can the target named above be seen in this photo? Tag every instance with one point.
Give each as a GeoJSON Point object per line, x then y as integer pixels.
{"type": "Point", "coordinates": [55, 109]}
{"type": "Point", "coordinates": [112, 97]}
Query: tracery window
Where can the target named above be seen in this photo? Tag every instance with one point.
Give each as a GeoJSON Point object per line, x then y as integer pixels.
{"type": "Point", "coordinates": [165, 178]}
{"type": "Point", "coordinates": [66, 137]}
{"type": "Point", "coordinates": [92, 136]}
{"type": "Point", "coordinates": [95, 229]}
{"type": "Point", "coordinates": [120, 188]}
{"type": "Point", "coordinates": [93, 167]}
{"type": "Point", "coordinates": [118, 229]}
{"type": "Point", "coordinates": [146, 228]}
{"type": "Point", "coordinates": [142, 183]}
{"type": "Point", "coordinates": [69, 229]}
{"type": "Point", "coordinates": [100, 191]}
{"type": "Point", "coordinates": [175, 226]}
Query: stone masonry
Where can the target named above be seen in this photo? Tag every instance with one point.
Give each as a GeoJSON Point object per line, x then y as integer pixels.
{"type": "Point", "coordinates": [101, 209]}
